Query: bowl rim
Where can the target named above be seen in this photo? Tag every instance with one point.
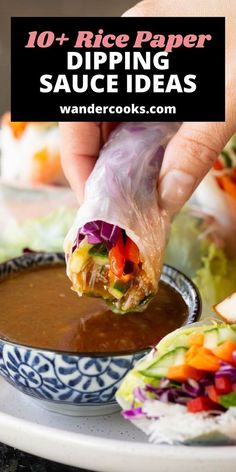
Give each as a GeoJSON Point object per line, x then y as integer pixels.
{"type": "Point", "coordinates": [31, 255]}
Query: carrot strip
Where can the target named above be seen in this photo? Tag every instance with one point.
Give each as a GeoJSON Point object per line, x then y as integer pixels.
{"type": "Point", "coordinates": [17, 127]}
{"type": "Point", "coordinates": [225, 351]}
{"type": "Point", "coordinates": [227, 184]}
{"type": "Point", "coordinates": [181, 373]}
{"type": "Point", "coordinates": [212, 393]}
{"type": "Point", "coordinates": [202, 359]}
{"type": "Point", "coordinates": [196, 338]}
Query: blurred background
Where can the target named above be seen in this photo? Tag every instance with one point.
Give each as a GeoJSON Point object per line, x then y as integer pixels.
{"type": "Point", "coordinates": [45, 8]}
{"type": "Point", "coordinates": [37, 206]}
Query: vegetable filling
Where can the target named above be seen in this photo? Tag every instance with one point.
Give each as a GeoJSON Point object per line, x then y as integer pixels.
{"type": "Point", "coordinates": [200, 374]}
{"type": "Point", "coordinates": [106, 263]}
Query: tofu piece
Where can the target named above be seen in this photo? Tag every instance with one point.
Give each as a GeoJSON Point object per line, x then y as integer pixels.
{"type": "Point", "coordinates": [227, 309]}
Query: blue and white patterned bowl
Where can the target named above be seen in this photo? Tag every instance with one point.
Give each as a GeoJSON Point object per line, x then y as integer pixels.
{"type": "Point", "coordinates": [75, 384]}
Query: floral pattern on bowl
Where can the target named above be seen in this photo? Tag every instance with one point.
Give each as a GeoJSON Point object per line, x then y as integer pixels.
{"type": "Point", "coordinates": [64, 378]}
{"type": "Point", "coordinates": [75, 383]}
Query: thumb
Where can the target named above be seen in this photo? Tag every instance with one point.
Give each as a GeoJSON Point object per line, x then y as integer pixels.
{"type": "Point", "coordinates": [188, 157]}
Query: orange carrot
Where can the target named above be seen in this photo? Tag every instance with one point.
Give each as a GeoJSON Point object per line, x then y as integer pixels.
{"type": "Point", "coordinates": [45, 166]}
{"type": "Point", "coordinates": [218, 165]}
{"type": "Point", "coordinates": [218, 179]}
{"type": "Point", "coordinates": [196, 338]}
{"type": "Point", "coordinates": [193, 350]}
{"type": "Point", "coordinates": [181, 373]}
{"type": "Point", "coordinates": [225, 351]}
{"type": "Point", "coordinates": [202, 359]}
{"type": "Point", "coordinates": [227, 184]}
{"type": "Point", "coordinates": [212, 393]}
{"type": "Point", "coordinates": [234, 175]}
{"type": "Point", "coordinates": [17, 127]}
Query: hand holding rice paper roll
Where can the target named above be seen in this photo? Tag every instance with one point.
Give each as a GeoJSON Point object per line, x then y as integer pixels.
{"type": "Point", "coordinates": [184, 391]}
{"type": "Point", "coordinates": [115, 247]}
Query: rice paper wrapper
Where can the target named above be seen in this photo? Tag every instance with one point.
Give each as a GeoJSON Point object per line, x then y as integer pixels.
{"type": "Point", "coordinates": [122, 190]}
{"type": "Point", "coordinates": [190, 428]}
{"type": "Point", "coordinates": [169, 423]}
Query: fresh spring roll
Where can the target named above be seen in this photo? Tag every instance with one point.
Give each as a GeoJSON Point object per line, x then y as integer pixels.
{"type": "Point", "coordinates": [115, 248]}
{"type": "Point", "coordinates": [30, 152]}
{"type": "Point", "coordinates": [184, 391]}
{"type": "Point", "coordinates": [216, 195]}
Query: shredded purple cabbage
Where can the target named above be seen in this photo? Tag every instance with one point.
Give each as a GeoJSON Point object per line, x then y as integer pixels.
{"type": "Point", "coordinates": [164, 383]}
{"type": "Point", "coordinates": [228, 371]}
{"type": "Point", "coordinates": [133, 413]}
{"type": "Point", "coordinates": [140, 394]}
{"type": "Point", "coordinates": [178, 393]}
{"type": "Point", "coordinates": [181, 393]}
{"type": "Point", "coordinates": [193, 388]}
{"type": "Point", "coordinates": [168, 392]}
{"type": "Point", "coordinates": [98, 232]}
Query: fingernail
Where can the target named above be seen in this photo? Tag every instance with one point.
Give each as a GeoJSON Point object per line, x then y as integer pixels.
{"type": "Point", "coordinates": [175, 189]}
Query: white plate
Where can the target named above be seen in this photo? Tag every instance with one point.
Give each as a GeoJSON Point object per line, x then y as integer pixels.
{"type": "Point", "coordinates": [103, 443]}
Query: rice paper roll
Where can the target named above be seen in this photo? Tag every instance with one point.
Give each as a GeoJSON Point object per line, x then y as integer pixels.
{"type": "Point", "coordinates": [216, 195]}
{"type": "Point", "coordinates": [217, 203]}
{"type": "Point", "coordinates": [184, 391]}
{"type": "Point", "coordinates": [30, 152]}
{"type": "Point", "coordinates": [115, 247]}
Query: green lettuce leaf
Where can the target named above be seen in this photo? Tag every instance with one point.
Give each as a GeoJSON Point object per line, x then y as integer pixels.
{"type": "Point", "coordinates": [186, 245]}
{"type": "Point", "coordinates": [191, 250]}
{"type": "Point", "coordinates": [138, 377]}
{"type": "Point", "coordinates": [228, 400]}
{"type": "Point", "coordinates": [216, 279]}
{"type": "Point", "coordinates": [46, 233]}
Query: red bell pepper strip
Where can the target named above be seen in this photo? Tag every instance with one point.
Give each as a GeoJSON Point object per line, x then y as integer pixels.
{"type": "Point", "coordinates": [234, 175]}
{"type": "Point", "coordinates": [227, 185]}
{"type": "Point", "coordinates": [223, 385]}
{"type": "Point", "coordinates": [212, 393]}
{"type": "Point", "coordinates": [218, 165]}
{"type": "Point", "coordinates": [131, 251]}
{"type": "Point", "coordinates": [117, 257]}
{"type": "Point", "coordinates": [200, 404]}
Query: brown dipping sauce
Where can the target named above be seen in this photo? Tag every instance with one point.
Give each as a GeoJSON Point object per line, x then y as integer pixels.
{"type": "Point", "coordinates": [39, 309]}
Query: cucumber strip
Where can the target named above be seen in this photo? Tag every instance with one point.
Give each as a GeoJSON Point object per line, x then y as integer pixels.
{"type": "Point", "coordinates": [121, 286]}
{"type": "Point", "coordinates": [227, 158]}
{"type": "Point", "coordinates": [100, 260]}
{"type": "Point", "coordinates": [211, 338]}
{"type": "Point", "coordinates": [98, 250]}
{"type": "Point", "coordinates": [159, 368]}
{"type": "Point", "coordinates": [116, 293]}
